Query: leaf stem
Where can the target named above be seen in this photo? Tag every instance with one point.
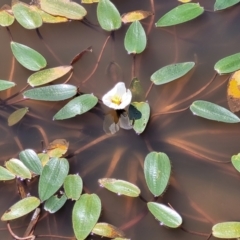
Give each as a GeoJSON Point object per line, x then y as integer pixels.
{"type": "Point", "coordinates": [32, 237]}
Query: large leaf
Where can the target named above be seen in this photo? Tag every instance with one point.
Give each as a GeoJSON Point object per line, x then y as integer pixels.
{"type": "Point", "coordinates": [180, 14]}
{"type": "Point", "coordinates": [135, 40]}
{"type": "Point", "coordinates": [171, 72]}
{"type": "Point", "coordinates": [213, 111]}
{"type": "Point", "coordinates": [56, 92]}
{"type": "Point", "coordinates": [16, 116]}
{"type": "Point", "coordinates": [86, 212]}
{"type": "Point", "coordinates": [226, 230]}
{"type": "Point", "coordinates": [223, 4]}
{"type": "Point", "coordinates": [52, 177]}
{"type": "Point", "coordinates": [76, 106]}
{"type": "Point", "coordinates": [108, 16]}
{"type": "Point", "coordinates": [6, 17]}
{"type": "Point", "coordinates": [166, 215]}
{"type": "Point", "coordinates": [73, 186]}
{"type": "Point", "coordinates": [236, 161]}
{"type": "Point", "coordinates": [6, 85]}
{"type": "Point", "coordinates": [28, 57]}
{"type": "Point", "coordinates": [157, 170]}
{"type": "Point", "coordinates": [21, 208]}
{"type": "Point", "coordinates": [5, 174]}
{"type": "Point", "coordinates": [54, 203]}
{"type": "Point", "coordinates": [107, 230]}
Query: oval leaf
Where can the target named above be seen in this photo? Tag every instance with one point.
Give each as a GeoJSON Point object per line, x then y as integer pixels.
{"type": "Point", "coordinates": [52, 177]}
{"type": "Point", "coordinates": [28, 57]}
{"type": "Point", "coordinates": [165, 215]}
{"type": "Point", "coordinates": [16, 116]}
{"type": "Point", "coordinates": [76, 106]}
{"type": "Point", "coordinates": [157, 169]}
{"type": "Point", "coordinates": [136, 90]}
{"type": "Point", "coordinates": [108, 16]}
{"type": "Point", "coordinates": [213, 111]}
{"type": "Point", "coordinates": [226, 230]}
{"type": "Point", "coordinates": [236, 161]}
{"type": "Point", "coordinates": [107, 230]}
{"type": "Point", "coordinates": [57, 148]}
{"type": "Point", "coordinates": [135, 16]}
{"type": "Point", "coordinates": [86, 212]}
{"type": "Point", "coordinates": [120, 187]}
{"type": "Point", "coordinates": [171, 72]}
{"type": "Point", "coordinates": [6, 85]}
{"type": "Point", "coordinates": [5, 174]}
{"type": "Point", "coordinates": [180, 14]}
{"type": "Point", "coordinates": [223, 4]}
{"type": "Point", "coordinates": [21, 208]}
{"type": "Point", "coordinates": [54, 203]}
{"type": "Point", "coordinates": [6, 17]}
{"type": "Point", "coordinates": [56, 92]}
{"type": "Point", "coordinates": [73, 186]}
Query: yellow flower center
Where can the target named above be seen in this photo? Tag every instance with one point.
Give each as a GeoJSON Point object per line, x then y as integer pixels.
{"type": "Point", "coordinates": [116, 99]}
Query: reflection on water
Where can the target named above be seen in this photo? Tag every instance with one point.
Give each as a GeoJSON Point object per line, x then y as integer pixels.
{"type": "Point", "coordinates": [204, 187]}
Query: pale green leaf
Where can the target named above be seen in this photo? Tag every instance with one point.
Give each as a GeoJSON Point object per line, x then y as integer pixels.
{"type": "Point", "coordinates": [54, 203]}
{"type": "Point", "coordinates": [107, 230]}
{"type": "Point", "coordinates": [16, 116]}
{"type": "Point", "coordinates": [73, 186]}
{"type": "Point", "coordinates": [223, 4]}
{"type": "Point", "coordinates": [226, 230]}
{"type": "Point", "coordinates": [6, 85]}
{"type": "Point", "coordinates": [236, 161]}
{"type": "Point", "coordinates": [5, 174]}
{"type": "Point", "coordinates": [6, 17]}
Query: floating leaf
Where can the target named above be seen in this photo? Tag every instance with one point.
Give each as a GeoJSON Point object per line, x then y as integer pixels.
{"type": "Point", "coordinates": [223, 4]}
{"type": "Point", "coordinates": [136, 90]}
{"type": "Point", "coordinates": [120, 187]}
{"type": "Point", "coordinates": [52, 177]}
{"type": "Point", "coordinates": [44, 158]}
{"type": "Point", "coordinates": [135, 40]}
{"type": "Point", "coordinates": [226, 230]}
{"type": "Point", "coordinates": [57, 148]}
{"type": "Point", "coordinates": [76, 106]}
{"type": "Point", "coordinates": [135, 16]}
{"type": "Point", "coordinates": [16, 167]}
{"type": "Point", "coordinates": [56, 92]}
{"type": "Point", "coordinates": [89, 1]}
{"type": "Point", "coordinates": [108, 16]}
{"type": "Point", "coordinates": [86, 212]}
{"type": "Point", "coordinates": [6, 17]}
{"type": "Point", "coordinates": [107, 230]}
{"type": "Point", "coordinates": [213, 111]}
{"type": "Point", "coordinates": [6, 85]}
{"type": "Point", "coordinates": [180, 14]}
{"type": "Point", "coordinates": [64, 8]}
{"type": "Point", "coordinates": [26, 17]}
{"type": "Point", "coordinates": [171, 72]}
{"type": "Point", "coordinates": [165, 215]}
{"type": "Point", "coordinates": [21, 208]}
{"type": "Point", "coordinates": [16, 116]}
{"type": "Point", "coordinates": [28, 57]}
{"type": "Point", "coordinates": [54, 203]}
{"type": "Point", "coordinates": [73, 186]}
{"type": "Point", "coordinates": [236, 161]}
{"type": "Point", "coordinates": [5, 174]}
{"type": "Point", "coordinates": [31, 161]}
{"type": "Point", "coordinates": [184, 1]}
{"type": "Point", "coordinates": [157, 170]}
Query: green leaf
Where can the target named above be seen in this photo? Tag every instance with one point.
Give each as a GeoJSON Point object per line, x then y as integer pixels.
{"type": "Point", "coordinates": [120, 187]}
{"type": "Point", "coordinates": [86, 212]}
{"type": "Point", "coordinates": [21, 208]}
{"type": "Point", "coordinates": [48, 75]}
{"type": "Point", "coordinates": [16, 116]}
{"type": "Point", "coordinates": [16, 167]}
{"type": "Point", "coordinates": [107, 230]}
{"type": "Point", "coordinates": [171, 72]}
{"type": "Point", "coordinates": [28, 57]}
{"type": "Point", "coordinates": [165, 215]}
{"type": "Point", "coordinates": [76, 106]}
{"type": "Point", "coordinates": [157, 170]}
{"type": "Point", "coordinates": [236, 161]}
{"type": "Point", "coordinates": [226, 230]}
{"type": "Point", "coordinates": [136, 90]}
{"type": "Point", "coordinates": [73, 186]}
{"type": "Point", "coordinates": [6, 85]}
{"type": "Point", "coordinates": [68, 9]}
{"type": "Point", "coordinates": [44, 158]}
{"type": "Point", "coordinates": [52, 177]}
{"type": "Point", "coordinates": [5, 174]}
{"type": "Point", "coordinates": [25, 16]}
{"type": "Point", "coordinates": [228, 64]}
{"type": "Point", "coordinates": [223, 4]}
{"type": "Point", "coordinates": [182, 13]}
{"type": "Point", "coordinates": [6, 17]}
{"type": "Point", "coordinates": [31, 161]}
{"type": "Point", "coordinates": [108, 16]}
{"type": "Point", "coordinates": [213, 111]}
{"type": "Point", "coordinates": [135, 40]}
{"type": "Point", "coordinates": [54, 203]}
{"type": "Point", "coordinates": [56, 92]}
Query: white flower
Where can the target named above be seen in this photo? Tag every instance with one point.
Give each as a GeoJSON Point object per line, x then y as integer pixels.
{"type": "Point", "coordinates": [118, 98]}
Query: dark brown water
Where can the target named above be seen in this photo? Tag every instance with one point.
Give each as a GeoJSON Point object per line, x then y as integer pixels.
{"type": "Point", "coordinates": [204, 187]}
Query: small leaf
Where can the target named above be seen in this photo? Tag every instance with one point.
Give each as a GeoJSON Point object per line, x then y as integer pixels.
{"type": "Point", "coordinates": [54, 203]}
{"type": "Point", "coordinates": [228, 64]}
{"type": "Point", "coordinates": [16, 116]}
{"type": "Point", "coordinates": [108, 16]}
{"type": "Point", "coordinates": [6, 17]}
{"type": "Point", "coordinates": [226, 230]}
{"type": "Point", "coordinates": [73, 186]}
{"type": "Point", "coordinates": [5, 174]}
{"type": "Point", "coordinates": [57, 148]}
{"type": "Point", "coordinates": [48, 75]}
{"type": "Point", "coordinates": [52, 177]}
{"type": "Point", "coordinates": [107, 230]}
{"type": "Point", "coordinates": [171, 72]}
{"type": "Point", "coordinates": [31, 161]}
{"type": "Point", "coordinates": [135, 16]}
{"type": "Point", "coordinates": [86, 212]}
{"type": "Point", "coordinates": [120, 187]}
{"type": "Point", "coordinates": [76, 106]}
{"type": "Point", "coordinates": [165, 215]}
{"type": "Point", "coordinates": [223, 4]}
{"type": "Point", "coordinates": [6, 85]}
{"type": "Point", "coordinates": [136, 90]}
{"type": "Point", "coordinates": [56, 92]}
{"type": "Point", "coordinates": [180, 14]}
{"type": "Point", "coordinates": [236, 161]}
{"type": "Point", "coordinates": [157, 170]}
{"type": "Point", "coordinates": [135, 40]}
{"type": "Point", "coordinates": [16, 167]}
{"type": "Point", "coordinates": [28, 57]}
{"type": "Point", "coordinates": [44, 158]}
{"type": "Point", "coordinates": [213, 111]}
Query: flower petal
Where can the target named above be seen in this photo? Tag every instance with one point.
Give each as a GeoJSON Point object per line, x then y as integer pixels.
{"type": "Point", "coordinates": [120, 89]}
